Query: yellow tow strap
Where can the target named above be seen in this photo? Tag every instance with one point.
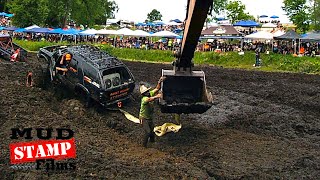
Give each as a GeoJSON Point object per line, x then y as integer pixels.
{"type": "Point", "coordinates": [130, 117]}
{"type": "Point", "coordinates": [165, 128]}
{"type": "Point", "coordinates": [158, 130]}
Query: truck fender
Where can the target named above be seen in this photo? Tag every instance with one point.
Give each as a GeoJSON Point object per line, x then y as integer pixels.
{"type": "Point", "coordinates": [79, 87]}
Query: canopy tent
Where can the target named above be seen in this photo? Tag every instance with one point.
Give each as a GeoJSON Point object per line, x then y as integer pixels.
{"type": "Point", "coordinates": [173, 23]}
{"type": "Point", "coordinates": [290, 35]}
{"type": "Point", "coordinates": [140, 24]}
{"type": "Point", "coordinates": [223, 30]}
{"type": "Point", "coordinates": [4, 35]}
{"type": "Point", "coordinates": [274, 17]}
{"type": "Point", "coordinates": [278, 33]}
{"type": "Point", "coordinates": [106, 32]}
{"type": "Point", "coordinates": [167, 34]}
{"type": "Point", "coordinates": [6, 14]}
{"type": "Point", "coordinates": [221, 19]}
{"type": "Point", "coordinates": [31, 27]}
{"type": "Point", "coordinates": [125, 32]}
{"type": "Point", "coordinates": [313, 36]}
{"type": "Point", "coordinates": [1, 28]}
{"type": "Point", "coordinates": [150, 24]}
{"type": "Point", "coordinates": [11, 28]}
{"type": "Point", "coordinates": [88, 32]}
{"type": "Point", "coordinates": [140, 33]}
{"type": "Point", "coordinates": [38, 30]}
{"type": "Point", "coordinates": [70, 32]}
{"type": "Point", "coordinates": [20, 30]}
{"type": "Point", "coordinates": [269, 25]}
{"type": "Point", "coordinates": [220, 37]}
{"type": "Point", "coordinates": [159, 23]}
{"type": "Point", "coordinates": [264, 16]}
{"type": "Point", "coordinates": [246, 24]}
{"type": "Point", "coordinates": [176, 20]}
{"type": "Point", "coordinates": [56, 31]}
{"type": "Point", "coordinates": [260, 35]}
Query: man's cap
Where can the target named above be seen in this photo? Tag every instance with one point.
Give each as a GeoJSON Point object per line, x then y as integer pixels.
{"type": "Point", "coordinates": [144, 89]}
{"type": "Point", "coordinates": [68, 57]}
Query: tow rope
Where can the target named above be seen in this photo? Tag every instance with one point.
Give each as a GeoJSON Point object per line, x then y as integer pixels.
{"type": "Point", "coordinates": [158, 130]}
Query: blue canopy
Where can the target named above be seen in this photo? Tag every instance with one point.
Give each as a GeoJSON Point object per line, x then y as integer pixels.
{"type": "Point", "coordinates": [1, 28]}
{"type": "Point", "coordinates": [221, 19]}
{"type": "Point", "coordinates": [11, 28]}
{"type": "Point", "coordinates": [20, 30]}
{"type": "Point", "coordinates": [179, 37]}
{"type": "Point", "coordinates": [140, 24]}
{"type": "Point", "coordinates": [177, 20]}
{"type": "Point", "coordinates": [264, 16]}
{"type": "Point", "coordinates": [150, 24]}
{"type": "Point", "coordinates": [4, 35]}
{"type": "Point", "coordinates": [56, 31]}
{"type": "Point", "coordinates": [274, 17]}
{"type": "Point", "coordinates": [38, 30]}
{"type": "Point", "coordinates": [70, 32]}
{"type": "Point", "coordinates": [6, 14]}
{"type": "Point", "coordinates": [159, 23]}
{"type": "Point", "coordinates": [249, 23]}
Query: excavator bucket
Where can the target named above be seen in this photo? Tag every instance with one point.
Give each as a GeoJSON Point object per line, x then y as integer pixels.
{"type": "Point", "coordinates": [184, 92]}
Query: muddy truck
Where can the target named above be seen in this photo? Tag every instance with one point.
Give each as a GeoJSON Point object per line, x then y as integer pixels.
{"type": "Point", "coordinates": [91, 73]}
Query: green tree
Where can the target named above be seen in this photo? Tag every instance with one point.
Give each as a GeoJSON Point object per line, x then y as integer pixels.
{"type": "Point", "coordinates": [110, 7]}
{"type": "Point", "coordinates": [298, 13]}
{"type": "Point", "coordinates": [236, 11]}
{"type": "Point", "coordinates": [315, 14]}
{"type": "Point", "coordinates": [60, 12]}
{"type": "Point", "coordinates": [28, 12]}
{"type": "Point", "coordinates": [154, 15]}
{"type": "Point", "coordinates": [219, 6]}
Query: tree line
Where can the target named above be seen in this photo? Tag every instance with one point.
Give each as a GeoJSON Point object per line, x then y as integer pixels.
{"type": "Point", "coordinates": [57, 13]}
{"type": "Point", "coordinates": [305, 14]}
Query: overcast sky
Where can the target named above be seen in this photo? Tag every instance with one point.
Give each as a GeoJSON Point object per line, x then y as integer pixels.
{"type": "Point", "coordinates": [137, 10]}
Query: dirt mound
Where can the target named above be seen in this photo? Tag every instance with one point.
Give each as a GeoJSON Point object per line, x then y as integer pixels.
{"type": "Point", "coordinates": [262, 126]}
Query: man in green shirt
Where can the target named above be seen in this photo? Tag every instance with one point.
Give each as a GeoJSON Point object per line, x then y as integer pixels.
{"type": "Point", "coordinates": [147, 110]}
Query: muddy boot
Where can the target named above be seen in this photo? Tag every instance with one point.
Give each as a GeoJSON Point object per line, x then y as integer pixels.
{"type": "Point", "coordinates": [152, 138]}
{"type": "Point", "coordinates": [145, 141]}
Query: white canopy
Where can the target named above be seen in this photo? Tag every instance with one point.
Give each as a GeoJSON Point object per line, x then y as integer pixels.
{"type": "Point", "coordinates": [165, 34]}
{"type": "Point", "coordinates": [31, 27]}
{"type": "Point", "coordinates": [125, 32]}
{"type": "Point", "coordinates": [172, 23]}
{"type": "Point", "coordinates": [140, 33]}
{"type": "Point", "coordinates": [278, 33]}
{"type": "Point", "coordinates": [89, 32]}
{"type": "Point", "coordinates": [260, 35]}
{"type": "Point", "coordinates": [269, 25]}
{"type": "Point", "coordinates": [106, 32]}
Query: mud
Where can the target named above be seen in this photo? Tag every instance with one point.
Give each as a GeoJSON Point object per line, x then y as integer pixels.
{"type": "Point", "coordinates": [261, 126]}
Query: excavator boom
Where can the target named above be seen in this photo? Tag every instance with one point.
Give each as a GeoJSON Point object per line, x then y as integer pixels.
{"type": "Point", "coordinates": [184, 90]}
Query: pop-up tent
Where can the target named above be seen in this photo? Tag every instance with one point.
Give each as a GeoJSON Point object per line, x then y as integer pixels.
{"type": "Point", "coordinates": [125, 32]}
{"type": "Point", "coordinates": [260, 35]}
{"type": "Point", "coordinates": [106, 32]}
{"type": "Point", "coordinates": [313, 36]}
{"type": "Point", "coordinates": [290, 35]}
{"type": "Point", "coordinates": [167, 34]}
{"type": "Point", "coordinates": [246, 24]}
{"type": "Point", "coordinates": [88, 32]}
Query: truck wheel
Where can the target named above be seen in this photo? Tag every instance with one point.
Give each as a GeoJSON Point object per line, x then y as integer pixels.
{"type": "Point", "coordinates": [88, 101]}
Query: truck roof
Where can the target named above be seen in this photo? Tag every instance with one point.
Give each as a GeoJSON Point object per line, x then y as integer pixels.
{"type": "Point", "coordinates": [94, 56]}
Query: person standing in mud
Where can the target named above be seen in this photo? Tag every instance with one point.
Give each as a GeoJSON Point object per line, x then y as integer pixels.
{"type": "Point", "coordinates": [257, 51]}
{"type": "Point", "coordinates": [147, 110]}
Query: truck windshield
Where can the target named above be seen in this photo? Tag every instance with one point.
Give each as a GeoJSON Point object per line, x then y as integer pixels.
{"type": "Point", "coordinates": [116, 77]}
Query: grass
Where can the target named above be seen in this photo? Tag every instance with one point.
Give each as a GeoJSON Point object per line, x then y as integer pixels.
{"type": "Point", "coordinates": [271, 62]}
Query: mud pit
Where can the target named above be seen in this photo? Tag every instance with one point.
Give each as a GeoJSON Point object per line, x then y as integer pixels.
{"type": "Point", "coordinates": [262, 126]}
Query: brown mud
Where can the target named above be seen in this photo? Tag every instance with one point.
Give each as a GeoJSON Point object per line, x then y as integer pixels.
{"type": "Point", "coordinates": [261, 126]}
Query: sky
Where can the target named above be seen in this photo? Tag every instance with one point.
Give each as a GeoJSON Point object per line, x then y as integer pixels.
{"type": "Point", "coordinates": [137, 10]}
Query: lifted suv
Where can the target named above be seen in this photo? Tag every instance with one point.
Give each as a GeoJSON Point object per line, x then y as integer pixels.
{"type": "Point", "coordinates": [94, 74]}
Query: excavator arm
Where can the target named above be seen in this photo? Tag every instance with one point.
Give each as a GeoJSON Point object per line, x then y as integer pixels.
{"type": "Point", "coordinates": [184, 90]}
{"type": "Point", "coordinates": [197, 11]}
